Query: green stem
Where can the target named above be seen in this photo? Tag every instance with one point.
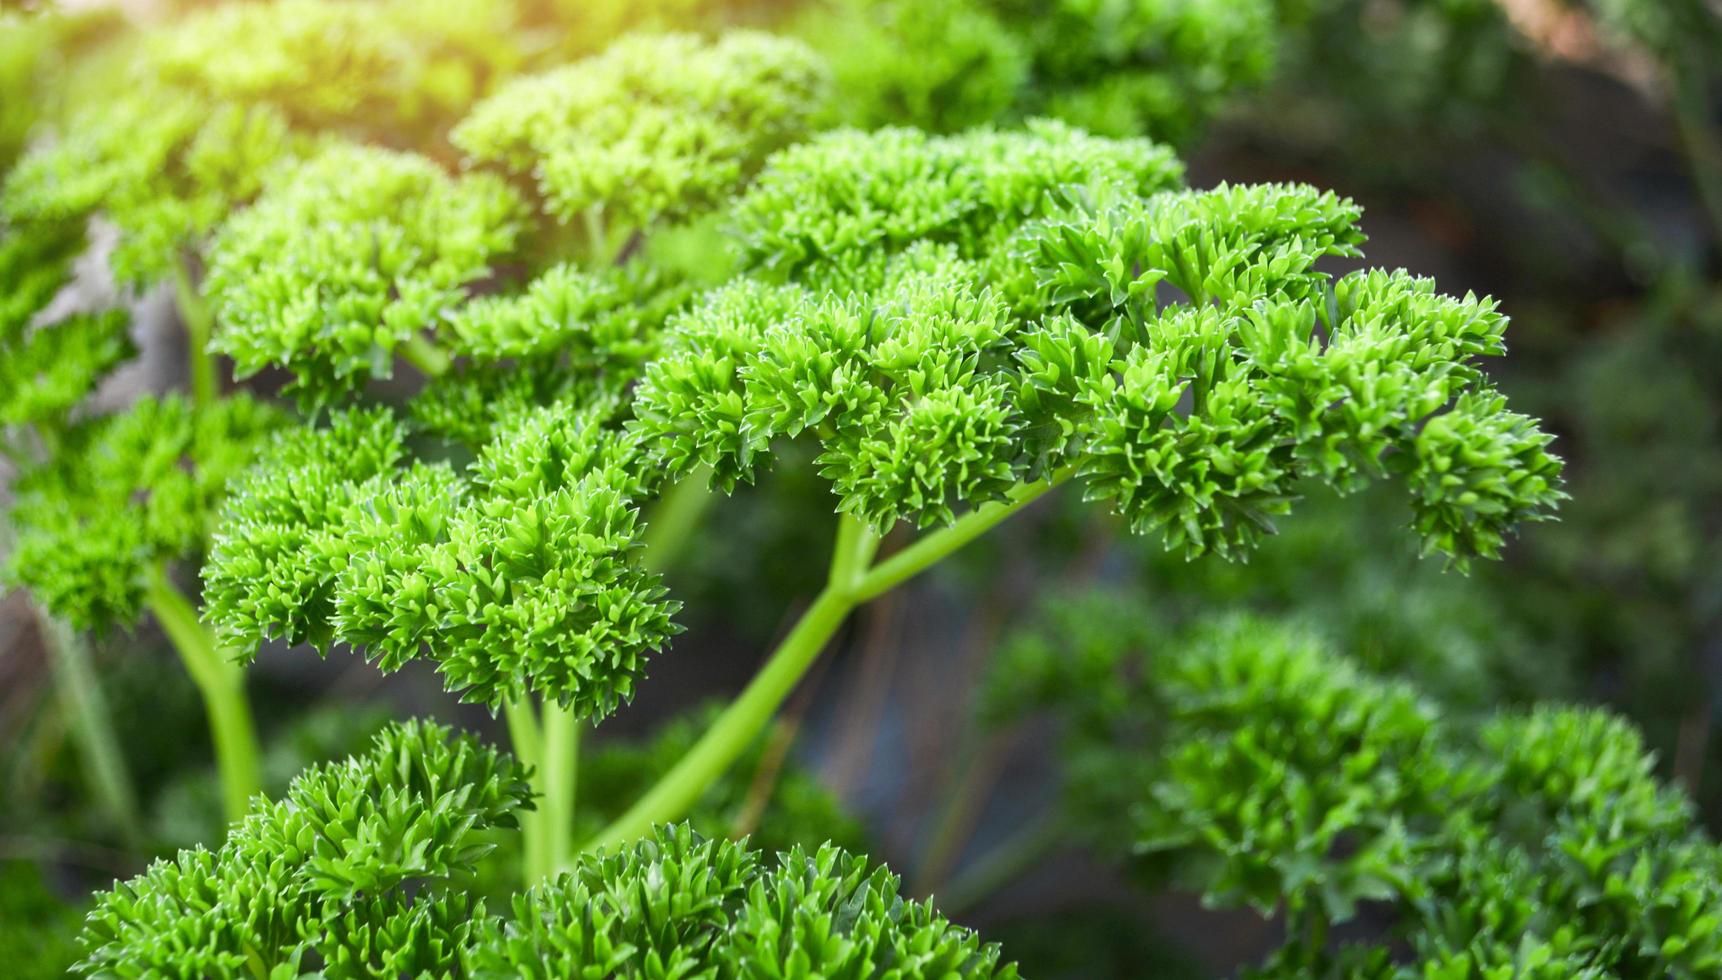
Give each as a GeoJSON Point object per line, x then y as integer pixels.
{"type": "Point", "coordinates": [431, 360]}
{"type": "Point", "coordinates": [561, 758]}
{"type": "Point", "coordinates": [852, 580]}
{"type": "Point", "coordinates": [523, 731]}
{"type": "Point", "coordinates": [671, 523]}
{"type": "Point", "coordinates": [195, 314]}
{"type": "Point", "coordinates": [736, 728]}
{"type": "Point", "coordinates": [916, 558]}
{"type": "Point", "coordinates": [597, 236]}
{"type": "Point", "coordinates": [222, 684]}
{"type": "Point", "coordinates": [92, 725]}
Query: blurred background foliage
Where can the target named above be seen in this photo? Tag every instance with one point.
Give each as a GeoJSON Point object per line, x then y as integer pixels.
{"type": "Point", "coordinates": [1564, 156]}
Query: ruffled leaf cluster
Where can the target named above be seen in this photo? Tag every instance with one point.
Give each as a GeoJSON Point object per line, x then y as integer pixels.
{"type": "Point", "coordinates": [935, 65]}
{"type": "Point", "coordinates": [655, 128]}
{"type": "Point", "coordinates": [1120, 68]}
{"type": "Point", "coordinates": [209, 104]}
{"type": "Point", "coordinates": [1145, 66]}
{"type": "Point", "coordinates": [677, 904]}
{"type": "Point", "coordinates": [27, 48]}
{"type": "Point", "coordinates": [124, 494]}
{"type": "Point", "coordinates": [965, 314]}
{"type": "Point", "coordinates": [828, 210]}
{"type": "Point", "coordinates": [348, 257]}
{"type": "Point", "coordinates": [383, 65]}
{"type": "Point", "coordinates": [356, 872]}
{"type": "Point", "coordinates": [47, 368]}
{"type": "Point", "coordinates": [1279, 775]}
{"type": "Point", "coordinates": [570, 335]}
{"type": "Point", "coordinates": [365, 868]}
{"type": "Point", "coordinates": [163, 164]}
{"type": "Point", "coordinates": [520, 575]}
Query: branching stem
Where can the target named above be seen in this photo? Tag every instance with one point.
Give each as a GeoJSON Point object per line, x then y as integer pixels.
{"type": "Point", "coordinates": [523, 732]}
{"type": "Point", "coordinates": [222, 684]}
{"type": "Point", "coordinates": [853, 580]}
{"type": "Point", "coordinates": [929, 550]}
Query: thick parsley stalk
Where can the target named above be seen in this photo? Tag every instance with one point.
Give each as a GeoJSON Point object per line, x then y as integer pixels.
{"type": "Point", "coordinates": [853, 581]}
{"type": "Point", "coordinates": [752, 710]}
{"type": "Point", "coordinates": [221, 681]}
{"type": "Point", "coordinates": [195, 315]}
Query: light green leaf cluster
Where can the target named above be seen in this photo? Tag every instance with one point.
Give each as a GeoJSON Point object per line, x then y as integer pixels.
{"type": "Point", "coordinates": [386, 64]}
{"type": "Point", "coordinates": [357, 872]}
{"type": "Point", "coordinates": [1118, 67]}
{"type": "Point", "coordinates": [123, 494]}
{"type": "Point", "coordinates": [1281, 776]}
{"type": "Point", "coordinates": [965, 314]}
{"type": "Point", "coordinates": [163, 164]}
{"type": "Point", "coordinates": [349, 256]}
{"type": "Point", "coordinates": [827, 211]}
{"type": "Point", "coordinates": [1147, 66]}
{"type": "Point", "coordinates": [571, 335]}
{"type": "Point", "coordinates": [46, 369]}
{"type": "Point", "coordinates": [27, 42]}
{"type": "Point", "coordinates": [655, 128]}
{"type": "Point", "coordinates": [676, 904]}
{"type": "Point", "coordinates": [520, 576]}
{"type": "Point", "coordinates": [365, 870]}
{"type": "Point", "coordinates": [584, 27]}
{"type": "Point", "coordinates": [210, 103]}
{"type": "Point", "coordinates": [935, 65]}
{"type": "Point", "coordinates": [53, 368]}
{"type": "Point", "coordinates": [1257, 716]}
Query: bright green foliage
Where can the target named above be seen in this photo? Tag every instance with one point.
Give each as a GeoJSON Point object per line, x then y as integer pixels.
{"type": "Point", "coordinates": [1162, 67]}
{"type": "Point", "coordinates": [938, 65]}
{"type": "Point", "coordinates": [55, 367]}
{"type": "Point", "coordinates": [46, 369]}
{"type": "Point", "coordinates": [1120, 67]}
{"type": "Point", "coordinates": [358, 871]}
{"type": "Point", "coordinates": [190, 127]}
{"type": "Point", "coordinates": [654, 128]}
{"type": "Point", "coordinates": [1181, 351]}
{"type": "Point", "coordinates": [124, 494]}
{"type": "Point", "coordinates": [677, 904]}
{"type": "Point", "coordinates": [35, 264]}
{"type": "Point", "coordinates": [585, 27]}
{"type": "Point", "coordinates": [348, 257]}
{"type": "Point", "coordinates": [829, 210]}
{"type": "Point", "coordinates": [520, 576]}
{"type": "Point", "coordinates": [571, 335]}
{"type": "Point", "coordinates": [1278, 774]}
{"type": "Point", "coordinates": [27, 44]}
{"type": "Point", "coordinates": [163, 164]}
{"type": "Point", "coordinates": [383, 65]}
{"type": "Point", "coordinates": [1262, 800]}
{"type": "Point", "coordinates": [364, 870]}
